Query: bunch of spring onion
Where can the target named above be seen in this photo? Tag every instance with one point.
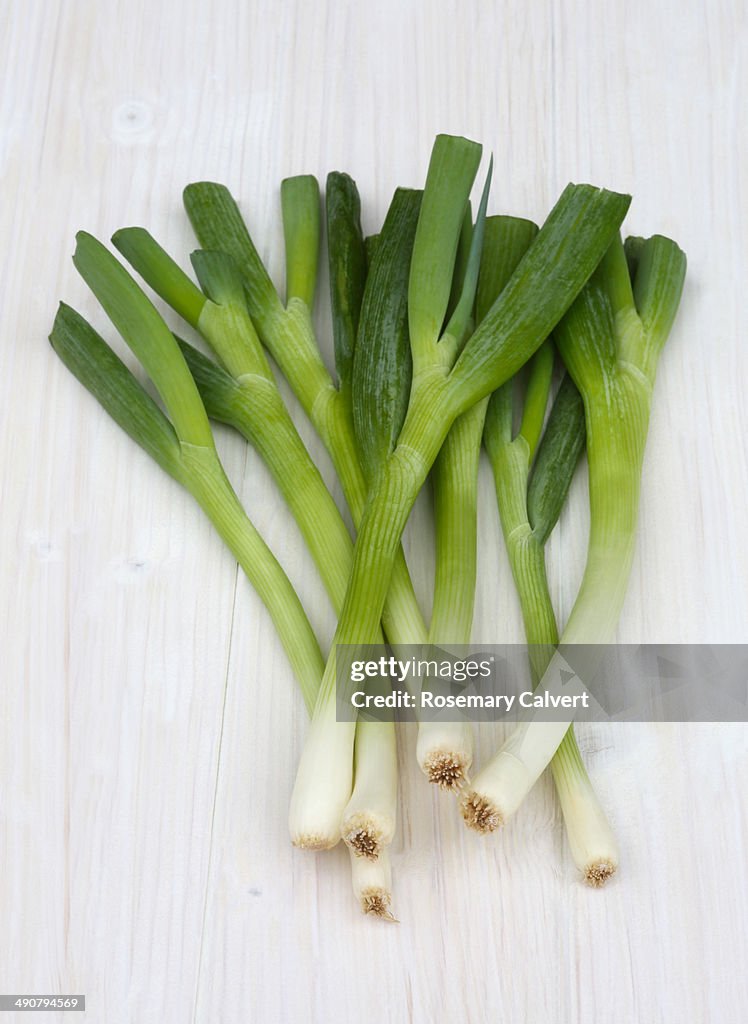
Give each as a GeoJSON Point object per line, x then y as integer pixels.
{"type": "Point", "coordinates": [430, 316]}
{"type": "Point", "coordinates": [449, 376]}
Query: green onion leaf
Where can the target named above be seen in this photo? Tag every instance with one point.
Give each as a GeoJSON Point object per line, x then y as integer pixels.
{"type": "Point", "coordinates": [506, 240]}
{"type": "Point", "coordinates": [218, 225]}
{"type": "Point", "coordinates": [225, 323]}
{"type": "Point", "coordinates": [347, 264]}
{"type": "Point", "coordinates": [558, 454]}
{"type": "Point", "coordinates": [658, 285]}
{"type": "Point", "coordinates": [221, 394]}
{"type": "Point", "coordinates": [381, 365]}
{"type": "Point", "coordinates": [461, 259]}
{"type": "Point", "coordinates": [560, 260]}
{"type": "Point", "coordinates": [462, 314]}
{"type": "Point", "coordinates": [633, 247]}
{"type": "Point", "coordinates": [586, 336]}
{"type": "Point", "coordinates": [370, 244]}
{"type": "Point", "coordinates": [614, 272]}
{"type": "Point", "coordinates": [141, 326]}
{"type": "Point", "coordinates": [536, 396]}
{"type": "Point", "coordinates": [301, 230]}
{"type": "Point", "coordinates": [159, 270]}
{"type": "Point", "coordinates": [100, 371]}
{"type": "Point", "coordinates": [219, 276]}
{"type": "Point", "coordinates": [452, 169]}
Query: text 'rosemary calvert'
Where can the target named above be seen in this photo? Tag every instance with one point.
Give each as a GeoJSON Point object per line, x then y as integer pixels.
{"type": "Point", "coordinates": [436, 701]}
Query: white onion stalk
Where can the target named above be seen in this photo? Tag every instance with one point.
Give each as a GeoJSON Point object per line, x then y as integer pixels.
{"type": "Point", "coordinates": [591, 840]}
{"type": "Point", "coordinates": [372, 885]}
{"type": "Point", "coordinates": [501, 786]}
{"type": "Point", "coordinates": [320, 796]}
{"type": "Point", "coordinates": [369, 820]}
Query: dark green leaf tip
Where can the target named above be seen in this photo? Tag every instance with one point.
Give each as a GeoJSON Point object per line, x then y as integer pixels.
{"type": "Point", "coordinates": [559, 452]}
{"type": "Point", "coordinates": [105, 376]}
{"type": "Point", "coordinates": [382, 361]}
{"type": "Point", "coordinates": [347, 261]}
{"type": "Point", "coordinates": [219, 276]}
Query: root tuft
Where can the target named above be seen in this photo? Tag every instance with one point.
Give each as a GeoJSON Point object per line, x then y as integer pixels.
{"type": "Point", "coordinates": [312, 841]}
{"type": "Point", "coordinates": [376, 902]}
{"type": "Point", "coordinates": [446, 770]}
{"type": "Point", "coordinates": [364, 843]}
{"type": "Point", "coordinates": [480, 814]}
{"type": "Point", "coordinates": [598, 873]}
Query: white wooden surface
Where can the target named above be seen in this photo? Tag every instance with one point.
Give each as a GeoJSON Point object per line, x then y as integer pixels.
{"type": "Point", "coordinates": [150, 727]}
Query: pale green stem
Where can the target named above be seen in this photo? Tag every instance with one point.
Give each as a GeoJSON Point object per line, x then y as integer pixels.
{"type": "Point", "coordinates": [455, 482]}
{"type": "Point", "coordinates": [259, 405]}
{"type": "Point", "coordinates": [445, 748]}
{"type": "Point", "coordinates": [616, 436]}
{"type": "Point", "coordinates": [296, 352]}
{"type": "Point", "coordinates": [590, 837]}
{"type": "Point", "coordinates": [205, 479]}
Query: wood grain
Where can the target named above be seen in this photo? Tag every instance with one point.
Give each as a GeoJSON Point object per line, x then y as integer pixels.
{"type": "Point", "coordinates": [150, 728]}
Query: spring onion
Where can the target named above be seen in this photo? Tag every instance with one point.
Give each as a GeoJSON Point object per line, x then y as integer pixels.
{"type": "Point", "coordinates": [431, 316]}
{"type": "Point", "coordinates": [444, 748]}
{"type": "Point", "coordinates": [379, 379]}
{"type": "Point", "coordinates": [528, 512]}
